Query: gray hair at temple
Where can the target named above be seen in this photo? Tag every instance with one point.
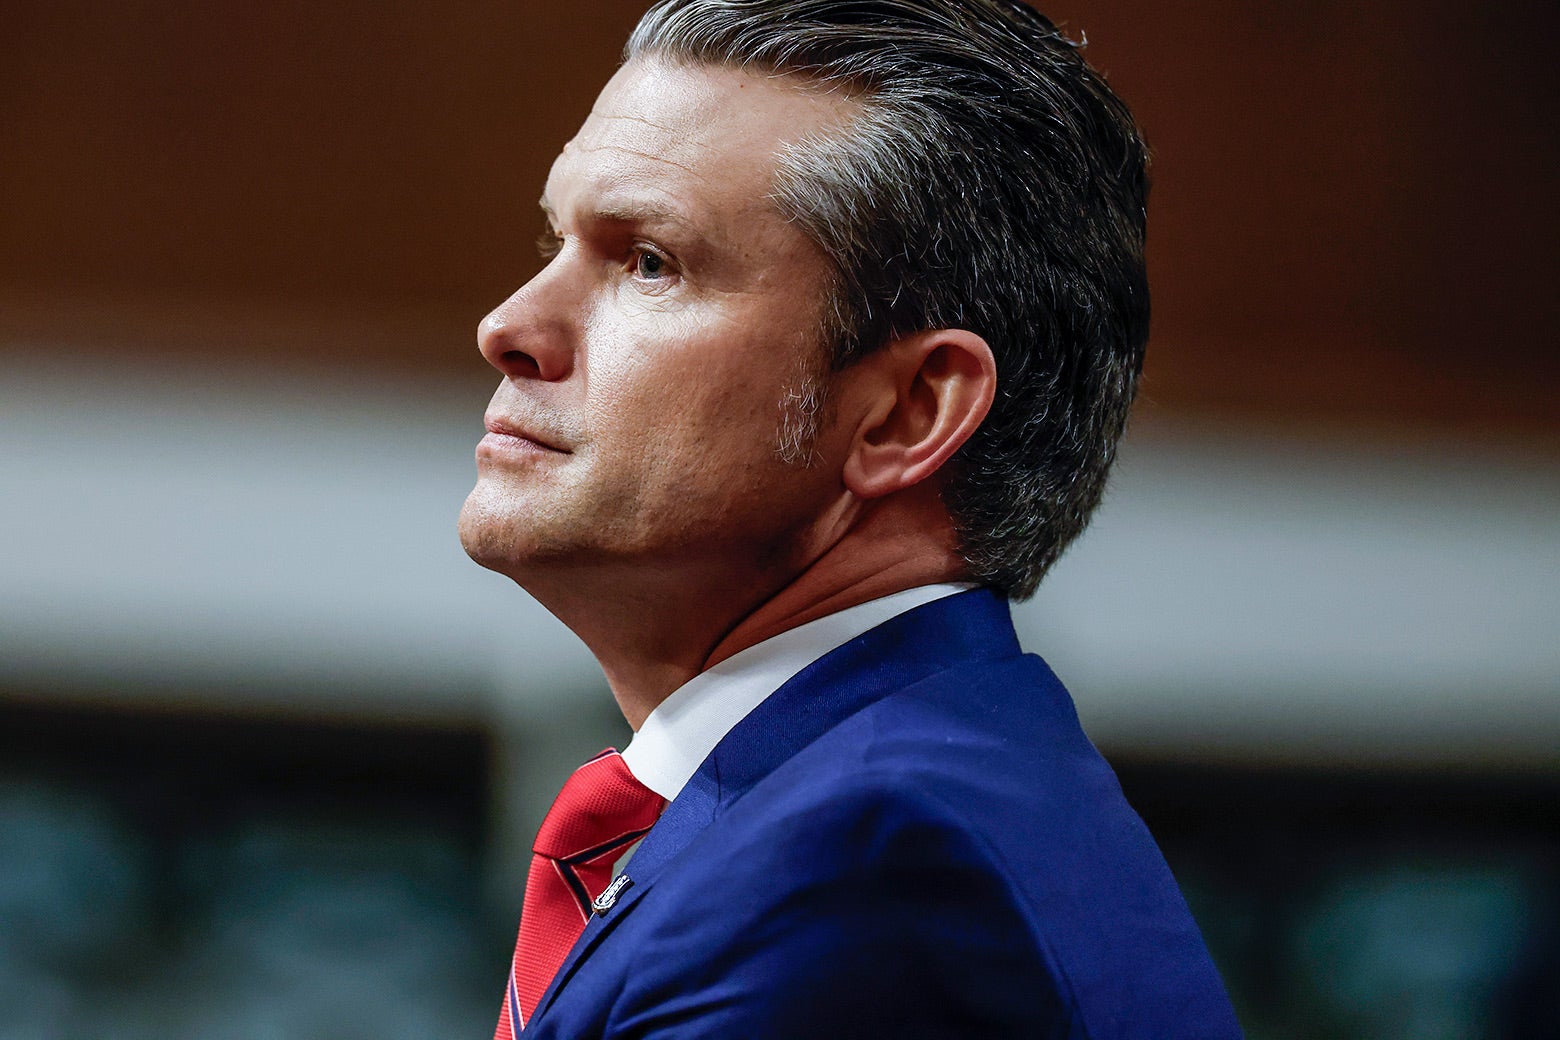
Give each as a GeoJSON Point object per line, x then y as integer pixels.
{"type": "Point", "coordinates": [990, 181]}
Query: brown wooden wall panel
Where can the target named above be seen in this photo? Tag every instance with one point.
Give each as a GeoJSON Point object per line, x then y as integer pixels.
{"type": "Point", "coordinates": [175, 167]}
{"type": "Point", "coordinates": [1353, 213]}
{"type": "Point", "coordinates": [1352, 218]}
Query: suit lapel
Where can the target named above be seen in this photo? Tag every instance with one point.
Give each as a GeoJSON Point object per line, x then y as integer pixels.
{"type": "Point", "coordinates": [903, 650]}
{"type": "Point", "coordinates": [689, 813]}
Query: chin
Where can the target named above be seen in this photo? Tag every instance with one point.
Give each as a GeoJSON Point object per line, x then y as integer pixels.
{"type": "Point", "coordinates": [499, 535]}
{"type": "Point", "coordinates": [487, 534]}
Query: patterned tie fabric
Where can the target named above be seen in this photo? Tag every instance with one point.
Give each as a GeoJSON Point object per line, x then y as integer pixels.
{"type": "Point", "coordinates": [601, 810]}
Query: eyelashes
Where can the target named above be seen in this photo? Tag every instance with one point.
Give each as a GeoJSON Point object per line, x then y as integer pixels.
{"type": "Point", "coordinates": [549, 244]}
{"type": "Point", "coordinates": [645, 262]}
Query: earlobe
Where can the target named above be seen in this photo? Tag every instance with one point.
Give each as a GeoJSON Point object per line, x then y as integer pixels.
{"type": "Point", "coordinates": [932, 391]}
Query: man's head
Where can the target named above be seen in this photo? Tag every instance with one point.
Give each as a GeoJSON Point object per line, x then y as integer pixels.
{"type": "Point", "coordinates": [985, 179]}
{"type": "Point", "coordinates": [799, 251]}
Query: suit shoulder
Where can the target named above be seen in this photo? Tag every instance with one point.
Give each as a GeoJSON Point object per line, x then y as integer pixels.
{"type": "Point", "coordinates": [980, 781]}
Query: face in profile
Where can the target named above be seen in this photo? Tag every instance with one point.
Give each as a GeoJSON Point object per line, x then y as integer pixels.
{"type": "Point", "coordinates": [646, 367]}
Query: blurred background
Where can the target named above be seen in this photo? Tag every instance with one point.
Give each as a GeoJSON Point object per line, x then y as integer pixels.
{"type": "Point", "coordinates": [272, 749]}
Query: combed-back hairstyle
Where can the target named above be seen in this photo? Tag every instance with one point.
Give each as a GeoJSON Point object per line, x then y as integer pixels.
{"type": "Point", "coordinates": [989, 181]}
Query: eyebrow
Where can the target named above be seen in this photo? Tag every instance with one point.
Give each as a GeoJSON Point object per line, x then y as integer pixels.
{"type": "Point", "coordinates": [628, 212]}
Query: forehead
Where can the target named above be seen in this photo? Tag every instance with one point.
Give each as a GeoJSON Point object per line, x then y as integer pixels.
{"type": "Point", "coordinates": [702, 139]}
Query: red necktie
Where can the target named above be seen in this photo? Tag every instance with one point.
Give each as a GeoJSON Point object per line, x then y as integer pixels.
{"type": "Point", "coordinates": [601, 810]}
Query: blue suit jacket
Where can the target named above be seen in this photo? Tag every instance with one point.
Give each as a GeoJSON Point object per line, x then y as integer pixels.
{"type": "Point", "coordinates": [911, 838]}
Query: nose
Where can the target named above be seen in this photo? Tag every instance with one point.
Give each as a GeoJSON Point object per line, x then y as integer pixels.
{"type": "Point", "coordinates": [529, 336]}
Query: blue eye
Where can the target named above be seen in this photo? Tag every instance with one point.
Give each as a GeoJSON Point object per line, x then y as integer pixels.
{"type": "Point", "coordinates": [649, 265]}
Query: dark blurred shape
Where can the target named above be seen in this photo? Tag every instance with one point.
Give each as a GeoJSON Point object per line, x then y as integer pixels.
{"type": "Point", "coordinates": [306, 928]}
{"type": "Point", "coordinates": [74, 904]}
{"type": "Point", "coordinates": [1415, 950]}
{"type": "Point", "coordinates": [1527, 1009]}
{"type": "Point", "coordinates": [203, 876]}
{"type": "Point", "coordinates": [1367, 905]}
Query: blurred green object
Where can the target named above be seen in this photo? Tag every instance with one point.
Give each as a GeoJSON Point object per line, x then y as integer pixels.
{"type": "Point", "coordinates": [1406, 951]}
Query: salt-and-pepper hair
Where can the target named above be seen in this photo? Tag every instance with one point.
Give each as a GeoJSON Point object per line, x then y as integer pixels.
{"type": "Point", "coordinates": [990, 181]}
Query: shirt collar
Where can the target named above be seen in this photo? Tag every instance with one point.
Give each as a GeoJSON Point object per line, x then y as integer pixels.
{"type": "Point", "coordinates": [683, 729]}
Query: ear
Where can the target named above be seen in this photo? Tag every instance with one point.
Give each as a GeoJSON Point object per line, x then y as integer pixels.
{"type": "Point", "coordinates": [927, 394]}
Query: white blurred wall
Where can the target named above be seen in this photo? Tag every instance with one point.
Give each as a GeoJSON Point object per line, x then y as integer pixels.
{"type": "Point", "coordinates": [221, 532]}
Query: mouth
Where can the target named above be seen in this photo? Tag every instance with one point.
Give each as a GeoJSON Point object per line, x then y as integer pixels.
{"type": "Point", "coordinates": [507, 437]}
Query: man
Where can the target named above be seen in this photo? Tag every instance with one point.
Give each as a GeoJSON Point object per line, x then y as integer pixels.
{"type": "Point", "coordinates": [843, 313]}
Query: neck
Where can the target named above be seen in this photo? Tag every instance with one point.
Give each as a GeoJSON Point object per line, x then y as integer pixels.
{"type": "Point", "coordinates": [662, 625]}
{"type": "Point", "coordinates": [899, 543]}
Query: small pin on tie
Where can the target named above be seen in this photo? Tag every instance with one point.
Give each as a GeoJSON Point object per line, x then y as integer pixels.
{"type": "Point", "coordinates": [608, 899]}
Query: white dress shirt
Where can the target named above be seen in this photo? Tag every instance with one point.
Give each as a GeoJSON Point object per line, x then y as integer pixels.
{"type": "Point", "coordinates": [683, 729]}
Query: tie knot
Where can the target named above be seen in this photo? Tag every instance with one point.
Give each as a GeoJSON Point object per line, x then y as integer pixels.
{"type": "Point", "coordinates": [601, 808]}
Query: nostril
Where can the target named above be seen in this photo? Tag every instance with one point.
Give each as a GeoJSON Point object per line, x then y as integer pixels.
{"type": "Point", "coordinates": [519, 364]}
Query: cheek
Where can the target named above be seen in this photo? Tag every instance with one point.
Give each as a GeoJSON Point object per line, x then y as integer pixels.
{"type": "Point", "coordinates": [714, 391]}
